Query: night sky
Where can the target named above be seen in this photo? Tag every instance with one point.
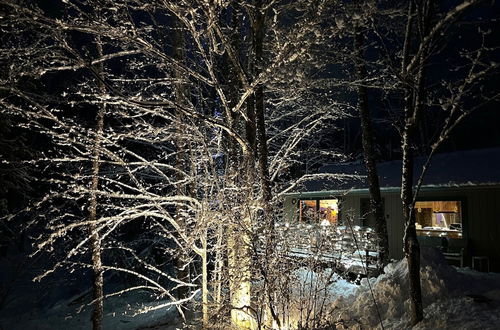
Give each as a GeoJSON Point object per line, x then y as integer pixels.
{"type": "Point", "coordinates": [142, 162]}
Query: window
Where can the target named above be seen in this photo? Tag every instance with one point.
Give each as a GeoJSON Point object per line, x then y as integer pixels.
{"type": "Point", "coordinates": [439, 218]}
{"type": "Point", "coordinates": [319, 211]}
{"type": "Point", "coordinates": [328, 210]}
{"type": "Point", "coordinates": [308, 211]}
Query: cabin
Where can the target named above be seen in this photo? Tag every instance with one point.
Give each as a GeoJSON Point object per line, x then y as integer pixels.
{"type": "Point", "coordinates": [457, 208]}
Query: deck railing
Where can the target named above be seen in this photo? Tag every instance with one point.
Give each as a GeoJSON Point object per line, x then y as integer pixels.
{"type": "Point", "coordinates": [349, 248]}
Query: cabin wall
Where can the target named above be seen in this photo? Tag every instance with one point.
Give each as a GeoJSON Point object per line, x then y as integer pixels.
{"type": "Point", "coordinates": [481, 220]}
{"type": "Point", "coordinates": [484, 225]}
{"type": "Point", "coordinates": [290, 209]}
{"type": "Point", "coordinates": [349, 206]}
{"type": "Point", "coordinates": [350, 209]}
{"type": "Point", "coordinates": [395, 224]}
{"type": "Point", "coordinates": [481, 217]}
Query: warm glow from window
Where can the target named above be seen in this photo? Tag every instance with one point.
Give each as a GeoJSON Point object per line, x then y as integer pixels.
{"type": "Point", "coordinates": [329, 210]}
{"type": "Point", "coordinates": [323, 211]}
{"type": "Point", "coordinates": [439, 218]}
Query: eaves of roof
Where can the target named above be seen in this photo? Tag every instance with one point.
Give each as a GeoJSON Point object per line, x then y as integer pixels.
{"type": "Point", "coordinates": [365, 191]}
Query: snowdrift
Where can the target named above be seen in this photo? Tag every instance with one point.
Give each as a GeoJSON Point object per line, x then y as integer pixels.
{"type": "Point", "coordinates": [453, 298]}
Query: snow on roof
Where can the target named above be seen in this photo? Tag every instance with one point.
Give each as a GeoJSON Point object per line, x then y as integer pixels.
{"type": "Point", "coordinates": [453, 169]}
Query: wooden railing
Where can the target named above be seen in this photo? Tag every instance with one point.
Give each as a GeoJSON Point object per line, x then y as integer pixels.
{"type": "Point", "coordinates": [351, 249]}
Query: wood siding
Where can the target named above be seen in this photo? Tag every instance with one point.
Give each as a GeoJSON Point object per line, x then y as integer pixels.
{"type": "Point", "coordinates": [481, 217]}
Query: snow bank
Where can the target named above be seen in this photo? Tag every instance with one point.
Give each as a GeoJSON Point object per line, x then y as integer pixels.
{"type": "Point", "coordinates": [55, 303]}
{"type": "Point", "coordinates": [119, 314]}
{"type": "Point", "coordinates": [331, 285]}
{"type": "Point", "coordinates": [464, 299]}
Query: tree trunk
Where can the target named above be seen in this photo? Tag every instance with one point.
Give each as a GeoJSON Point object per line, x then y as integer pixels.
{"type": "Point", "coordinates": [240, 256]}
{"type": "Point", "coordinates": [258, 40]}
{"type": "Point", "coordinates": [250, 129]}
{"type": "Point", "coordinates": [242, 167]}
{"type": "Point", "coordinates": [182, 269]}
{"type": "Point", "coordinates": [218, 266]}
{"type": "Point", "coordinates": [411, 245]}
{"type": "Point", "coordinates": [250, 123]}
{"type": "Point", "coordinates": [259, 108]}
{"type": "Point", "coordinates": [95, 240]}
{"type": "Point", "coordinates": [204, 286]}
{"type": "Point", "coordinates": [369, 152]}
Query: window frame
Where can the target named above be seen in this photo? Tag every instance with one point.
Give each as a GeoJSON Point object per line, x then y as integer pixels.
{"type": "Point", "coordinates": [316, 208]}
{"type": "Point", "coordinates": [450, 198]}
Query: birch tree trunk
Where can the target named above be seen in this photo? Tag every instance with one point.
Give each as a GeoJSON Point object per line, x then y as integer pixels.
{"type": "Point", "coordinates": [239, 276]}
{"type": "Point", "coordinates": [411, 245]}
{"type": "Point", "coordinates": [369, 152]}
{"type": "Point", "coordinates": [242, 167]}
{"type": "Point", "coordinates": [240, 256]}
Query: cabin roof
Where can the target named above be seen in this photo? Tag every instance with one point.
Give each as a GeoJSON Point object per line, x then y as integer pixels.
{"type": "Point", "coordinates": [446, 170]}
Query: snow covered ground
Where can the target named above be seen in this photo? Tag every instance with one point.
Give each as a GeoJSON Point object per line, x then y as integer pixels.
{"type": "Point", "coordinates": [119, 314]}
{"type": "Point", "coordinates": [453, 298]}
{"type": "Point", "coordinates": [56, 302]}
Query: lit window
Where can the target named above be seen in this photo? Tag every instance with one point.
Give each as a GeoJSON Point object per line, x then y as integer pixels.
{"type": "Point", "coordinates": [439, 218]}
{"type": "Point", "coordinates": [328, 211]}
{"type": "Point", "coordinates": [308, 212]}
{"type": "Point", "coordinates": [323, 211]}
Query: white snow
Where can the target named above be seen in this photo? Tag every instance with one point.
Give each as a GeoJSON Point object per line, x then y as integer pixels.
{"type": "Point", "coordinates": [453, 298]}
{"type": "Point", "coordinates": [334, 285]}
{"type": "Point", "coordinates": [120, 313]}
{"type": "Point", "coordinates": [60, 301]}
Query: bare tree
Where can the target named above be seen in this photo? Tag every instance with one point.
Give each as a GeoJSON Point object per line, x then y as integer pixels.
{"type": "Point", "coordinates": [95, 241]}
{"type": "Point", "coordinates": [414, 65]}
{"type": "Point", "coordinates": [368, 142]}
{"type": "Point", "coordinates": [161, 183]}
